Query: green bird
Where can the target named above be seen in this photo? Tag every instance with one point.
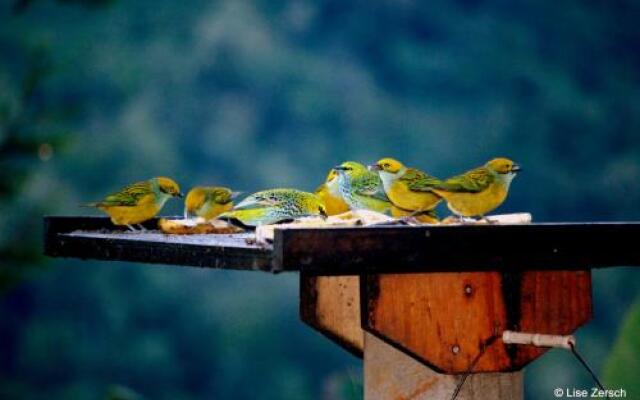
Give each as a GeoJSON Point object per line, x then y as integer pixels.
{"type": "Point", "coordinates": [479, 191]}
{"type": "Point", "coordinates": [409, 189]}
{"type": "Point", "coordinates": [275, 205]}
{"type": "Point", "coordinates": [362, 189]}
{"type": "Point", "coordinates": [138, 202]}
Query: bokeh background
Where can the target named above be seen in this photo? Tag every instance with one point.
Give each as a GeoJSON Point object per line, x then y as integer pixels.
{"type": "Point", "coordinates": [258, 94]}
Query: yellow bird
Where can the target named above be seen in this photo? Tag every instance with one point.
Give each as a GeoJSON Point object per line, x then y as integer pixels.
{"type": "Point", "coordinates": [208, 202]}
{"type": "Point", "coordinates": [481, 190]}
{"type": "Point", "coordinates": [426, 217]}
{"type": "Point", "coordinates": [329, 193]}
{"type": "Point", "coordinates": [409, 189]}
{"type": "Point", "coordinates": [138, 202]}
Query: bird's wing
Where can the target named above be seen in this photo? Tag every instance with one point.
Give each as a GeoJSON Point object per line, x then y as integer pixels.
{"type": "Point", "coordinates": [221, 196]}
{"type": "Point", "coordinates": [472, 181]}
{"type": "Point", "coordinates": [258, 200]}
{"type": "Point", "coordinates": [128, 196]}
{"type": "Point", "coordinates": [371, 186]}
{"type": "Point", "coordinates": [419, 181]}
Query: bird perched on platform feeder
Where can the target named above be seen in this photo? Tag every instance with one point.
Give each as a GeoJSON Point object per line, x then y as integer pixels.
{"type": "Point", "coordinates": [138, 202]}
{"type": "Point", "coordinates": [207, 202]}
{"type": "Point", "coordinates": [409, 189]}
{"type": "Point", "coordinates": [274, 206]}
{"type": "Point", "coordinates": [329, 193]}
{"type": "Point", "coordinates": [478, 191]}
{"type": "Point", "coordinates": [361, 189]}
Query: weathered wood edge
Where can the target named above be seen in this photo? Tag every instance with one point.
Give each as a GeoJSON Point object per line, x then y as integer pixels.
{"type": "Point", "coordinates": [308, 314]}
{"type": "Point", "coordinates": [57, 244]}
{"type": "Point", "coordinates": [350, 251]}
{"type": "Point", "coordinates": [353, 251]}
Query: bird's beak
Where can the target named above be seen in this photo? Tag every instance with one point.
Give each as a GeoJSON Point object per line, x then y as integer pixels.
{"type": "Point", "coordinates": [235, 195]}
{"type": "Point", "coordinates": [516, 168]}
{"type": "Point", "coordinates": [180, 195]}
{"type": "Point", "coordinates": [375, 167]}
{"type": "Point", "coordinates": [339, 168]}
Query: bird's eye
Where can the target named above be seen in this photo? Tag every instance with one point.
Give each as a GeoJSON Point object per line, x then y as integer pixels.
{"type": "Point", "coordinates": [386, 165]}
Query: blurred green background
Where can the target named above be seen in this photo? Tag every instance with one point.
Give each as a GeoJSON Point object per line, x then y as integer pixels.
{"type": "Point", "coordinates": [257, 94]}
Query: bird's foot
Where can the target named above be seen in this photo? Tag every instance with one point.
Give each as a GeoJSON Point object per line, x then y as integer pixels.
{"type": "Point", "coordinates": [142, 228]}
{"type": "Point", "coordinates": [409, 220]}
{"type": "Point", "coordinates": [486, 220]}
{"type": "Point", "coordinates": [467, 221]}
{"type": "Point", "coordinates": [131, 228]}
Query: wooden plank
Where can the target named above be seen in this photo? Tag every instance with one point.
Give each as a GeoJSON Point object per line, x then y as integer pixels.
{"type": "Point", "coordinates": [331, 305]}
{"type": "Point", "coordinates": [97, 238]}
{"type": "Point", "coordinates": [360, 250]}
{"type": "Point", "coordinates": [391, 374]}
{"type": "Point", "coordinates": [344, 251]}
{"type": "Point", "coordinates": [446, 319]}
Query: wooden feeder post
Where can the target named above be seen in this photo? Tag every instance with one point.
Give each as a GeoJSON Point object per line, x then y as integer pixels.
{"type": "Point", "coordinates": [424, 306]}
{"type": "Point", "coordinates": [443, 323]}
{"type": "Point", "coordinates": [423, 329]}
{"type": "Point", "coordinates": [391, 374]}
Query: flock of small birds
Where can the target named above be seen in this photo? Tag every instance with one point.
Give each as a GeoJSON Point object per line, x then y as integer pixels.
{"type": "Point", "coordinates": [387, 187]}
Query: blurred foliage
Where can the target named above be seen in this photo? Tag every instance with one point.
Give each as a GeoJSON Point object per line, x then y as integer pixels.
{"type": "Point", "coordinates": [122, 393]}
{"type": "Point", "coordinates": [273, 93]}
{"type": "Point", "coordinates": [623, 364]}
{"type": "Point", "coordinates": [31, 128]}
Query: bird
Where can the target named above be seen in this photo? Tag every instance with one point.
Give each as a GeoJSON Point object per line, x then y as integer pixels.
{"type": "Point", "coordinates": [138, 202]}
{"type": "Point", "coordinates": [208, 202]}
{"type": "Point", "coordinates": [275, 205]}
{"type": "Point", "coordinates": [425, 217]}
{"type": "Point", "coordinates": [361, 188]}
{"type": "Point", "coordinates": [479, 191]}
{"type": "Point", "coordinates": [409, 190]}
{"type": "Point", "coordinates": [329, 193]}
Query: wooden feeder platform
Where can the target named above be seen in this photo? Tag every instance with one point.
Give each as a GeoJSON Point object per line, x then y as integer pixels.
{"type": "Point", "coordinates": [432, 300]}
{"type": "Point", "coordinates": [357, 250]}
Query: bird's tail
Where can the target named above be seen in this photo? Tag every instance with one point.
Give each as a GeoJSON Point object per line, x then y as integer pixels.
{"type": "Point", "coordinates": [232, 217]}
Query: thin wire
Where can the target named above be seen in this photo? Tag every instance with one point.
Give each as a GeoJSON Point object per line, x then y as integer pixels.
{"type": "Point", "coordinates": [484, 348]}
{"type": "Point", "coordinates": [585, 365]}
{"type": "Point", "coordinates": [492, 339]}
